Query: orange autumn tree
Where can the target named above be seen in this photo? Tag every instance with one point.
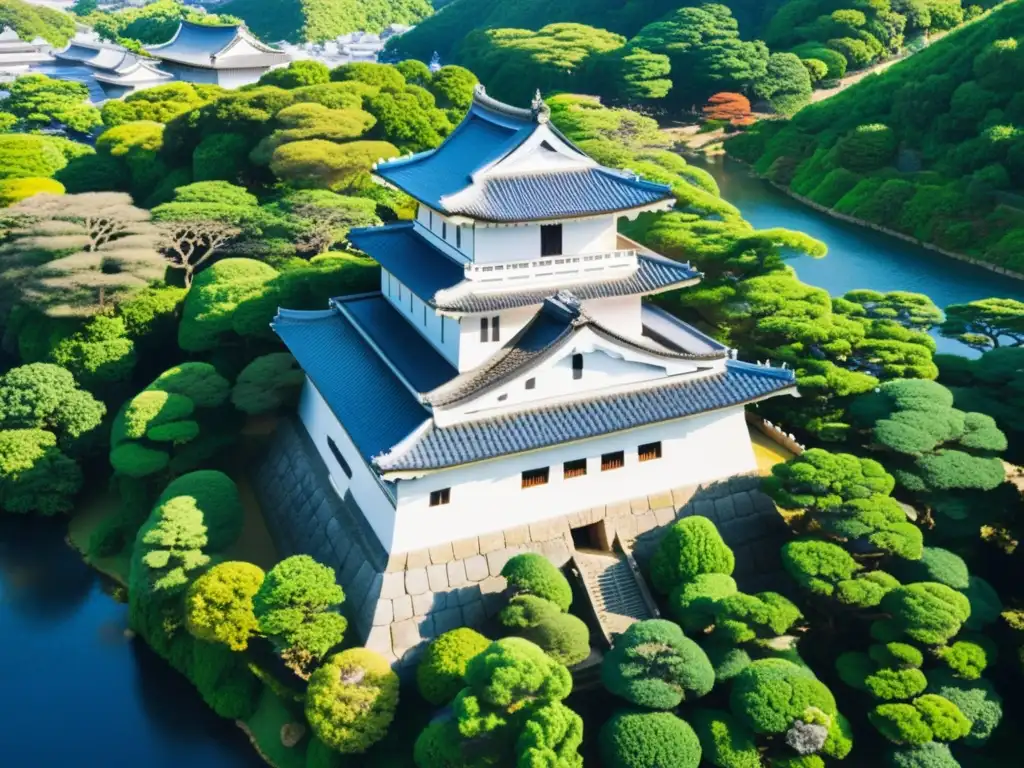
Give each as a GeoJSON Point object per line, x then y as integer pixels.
{"type": "Point", "coordinates": [733, 108]}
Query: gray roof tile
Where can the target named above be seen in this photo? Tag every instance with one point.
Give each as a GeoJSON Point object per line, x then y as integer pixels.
{"type": "Point", "coordinates": [440, 447]}
{"type": "Point", "coordinates": [200, 45]}
{"type": "Point", "coordinates": [409, 257]}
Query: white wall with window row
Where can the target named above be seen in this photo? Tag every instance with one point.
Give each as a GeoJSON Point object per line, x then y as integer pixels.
{"type": "Point", "coordinates": [442, 332]}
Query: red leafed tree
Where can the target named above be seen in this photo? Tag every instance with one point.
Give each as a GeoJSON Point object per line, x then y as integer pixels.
{"type": "Point", "coordinates": [732, 107]}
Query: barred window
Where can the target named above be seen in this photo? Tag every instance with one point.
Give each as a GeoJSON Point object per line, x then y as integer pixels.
{"type": "Point", "coordinates": [615, 460]}
{"type": "Point", "coordinates": [535, 477]}
{"type": "Point", "coordinates": [649, 451]}
{"type": "Point", "coordinates": [443, 496]}
{"type": "Point", "coordinates": [575, 468]}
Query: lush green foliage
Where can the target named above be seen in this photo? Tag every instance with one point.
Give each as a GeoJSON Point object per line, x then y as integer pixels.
{"type": "Point", "coordinates": [642, 739]}
{"type": "Point", "coordinates": [535, 575]}
{"type": "Point", "coordinates": [31, 21]}
{"type": "Point", "coordinates": [35, 475]}
{"type": "Point", "coordinates": [301, 21]}
{"type": "Point", "coordinates": [439, 673]}
{"type": "Point", "coordinates": [725, 742]}
{"type": "Point", "coordinates": [770, 694]}
{"type": "Point", "coordinates": [351, 700]}
{"type": "Point", "coordinates": [218, 605]}
{"type": "Point", "coordinates": [653, 664]}
{"type": "Point", "coordinates": [692, 546]}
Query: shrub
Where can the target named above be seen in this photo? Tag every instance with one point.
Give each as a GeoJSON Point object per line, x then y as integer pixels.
{"type": "Point", "coordinates": [900, 723]}
{"type": "Point", "coordinates": [267, 383]}
{"type": "Point", "coordinates": [693, 602]}
{"type": "Point", "coordinates": [895, 684]}
{"type": "Point", "coordinates": [218, 605]}
{"type": "Point", "coordinates": [741, 618]}
{"type": "Point", "coordinates": [216, 495]}
{"type": "Point", "coordinates": [653, 664]}
{"type": "Point", "coordinates": [527, 610]}
{"type": "Point", "coordinates": [930, 755]}
{"type": "Point", "coordinates": [15, 190]}
{"type": "Point", "coordinates": [866, 148]}
{"type": "Point", "coordinates": [976, 699]}
{"type": "Point", "coordinates": [351, 700]}
{"type": "Point", "coordinates": [936, 564]}
{"type": "Point", "coordinates": [535, 575]}
{"type": "Point", "coordinates": [45, 396]}
{"type": "Point", "coordinates": [965, 659]}
{"type": "Point", "coordinates": [564, 637]}
{"type": "Point", "coordinates": [927, 612]}
{"type": "Point", "coordinates": [727, 660]}
{"type": "Point", "coordinates": [898, 655]}
{"type": "Point", "coordinates": [35, 476]}
{"type": "Point", "coordinates": [985, 604]}
{"type": "Point", "coordinates": [440, 671]}
{"type": "Point", "coordinates": [223, 679]}
{"type": "Point", "coordinates": [211, 307]}
{"type": "Point", "coordinates": [725, 742]}
{"type": "Point", "coordinates": [644, 739]}
{"type": "Point", "coordinates": [947, 722]}
{"type": "Point", "coordinates": [853, 668]}
{"type": "Point", "coordinates": [296, 608]}
{"type": "Point", "coordinates": [771, 694]}
{"type": "Point", "coordinates": [690, 547]}
{"type": "Point", "coordinates": [818, 566]}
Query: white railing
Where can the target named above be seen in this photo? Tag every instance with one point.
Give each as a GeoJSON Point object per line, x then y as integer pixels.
{"type": "Point", "coordinates": [552, 266]}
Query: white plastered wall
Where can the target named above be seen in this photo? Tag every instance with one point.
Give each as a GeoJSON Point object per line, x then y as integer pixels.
{"type": "Point", "coordinates": [489, 496]}
{"type": "Point", "coordinates": [321, 423]}
{"type": "Point", "coordinates": [441, 332]}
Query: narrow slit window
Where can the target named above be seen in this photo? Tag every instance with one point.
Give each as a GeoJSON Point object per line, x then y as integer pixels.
{"type": "Point", "coordinates": [440, 497]}
{"type": "Point", "coordinates": [458, 236]}
{"type": "Point", "coordinates": [430, 219]}
{"type": "Point", "coordinates": [336, 452]}
{"type": "Point", "coordinates": [534, 477]}
{"type": "Point", "coordinates": [531, 383]}
{"type": "Point", "coordinates": [495, 328]}
{"type": "Point", "coordinates": [444, 230]}
{"type": "Point", "coordinates": [551, 240]}
{"type": "Point", "coordinates": [616, 460]}
{"type": "Point", "coordinates": [503, 397]}
{"type": "Point", "coordinates": [649, 451]}
{"type": "Point", "coordinates": [410, 301]}
{"type": "Point", "coordinates": [575, 468]}
{"type": "Point", "coordinates": [399, 291]}
{"type": "Point", "coordinates": [577, 366]}
{"type": "Point", "coordinates": [424, 315]}
{"type": "Point", "coordinates": [483, 329]}
{"type": "Point", "coordinates": [442, 329]}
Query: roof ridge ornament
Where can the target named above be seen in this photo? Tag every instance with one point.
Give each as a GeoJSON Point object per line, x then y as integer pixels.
{"type": "Point", "coordinates": [541, 111]}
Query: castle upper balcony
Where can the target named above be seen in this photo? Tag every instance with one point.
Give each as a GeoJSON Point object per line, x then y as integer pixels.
{"type": "Point", "coordinates": [602, 265]}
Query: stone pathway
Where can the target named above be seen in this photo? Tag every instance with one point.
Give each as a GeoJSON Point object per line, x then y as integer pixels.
{"type": "Point", "coordinates": [613, 590]}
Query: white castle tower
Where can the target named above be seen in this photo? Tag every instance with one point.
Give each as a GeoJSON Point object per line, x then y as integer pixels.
{"type": "Point", "coordinates": [508, 371]}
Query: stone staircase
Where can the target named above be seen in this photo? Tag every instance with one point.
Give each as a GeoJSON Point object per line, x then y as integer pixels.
{"type": "Point", "coordinates": [614, 590]}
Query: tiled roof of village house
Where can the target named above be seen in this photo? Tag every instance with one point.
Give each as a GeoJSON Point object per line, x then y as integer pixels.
{"type": "Point", "coordinates": [440, 281]}
{"type": "Point", "coordinates": [364, 382]}
{"type": "Point", "coordinates": [203, 45]}
{"type": "Point", "coordinates": [559, 319]}
{"type": "Point", "coordinates": [442, 178]}
{"type": "Point", "coordinates": [438, 447]}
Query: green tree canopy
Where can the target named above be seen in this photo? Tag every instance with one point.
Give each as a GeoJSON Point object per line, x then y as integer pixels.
{"type": "Point", "coordinates": [641, 739]}
{"type": "Point", "coordinates": [35, 475]}
{"type": "Point", "coordinates": [690, 547]}
{"type": "Point", "coordinates": [45, 396]}
{"type": "Point", "coordinates": [41, 101]}
{"type": "Point", "coordinates": [218, 606]}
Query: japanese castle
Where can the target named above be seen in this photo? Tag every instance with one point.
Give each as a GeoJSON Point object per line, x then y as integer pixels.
{"type": "Point", "coordinates": [508, 371]}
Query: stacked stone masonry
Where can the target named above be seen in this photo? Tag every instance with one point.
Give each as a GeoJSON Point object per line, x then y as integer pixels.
{"type": "Point", "coordinates": [399, 603]}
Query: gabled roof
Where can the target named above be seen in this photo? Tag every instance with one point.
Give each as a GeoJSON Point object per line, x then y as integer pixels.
{"type": "Point", "coordinates": [435, 447]}
{"type": "Point", "coordinates": [93, 53]}
{"type": "Point", "coordinates": [464, 176]}
{"type": "Point", "coordinates": [362, 390]}
{"type": "Point", "coordinates": [438, 280]}
{"type": "Point", "coordinates": [552, 328]}
{"type": "Point", "coordinates": [218, 47]}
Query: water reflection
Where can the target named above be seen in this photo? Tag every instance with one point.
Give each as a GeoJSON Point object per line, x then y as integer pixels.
{"type": "Point", "coordinates": [859, 257]}
{"type": "Point", "coordinates": [77, 692]}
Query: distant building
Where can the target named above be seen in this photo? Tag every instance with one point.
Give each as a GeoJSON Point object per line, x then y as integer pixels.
{"type": "Point", "coordinates": [507, 372]}
{"type": "Point", "coordinates": [435, 62]}
{"type": "Point", "coordinates": [117, 70]}
{"type": "Point", "coordinates": [16, 54]}
{"type": "Point", "coordinates": [229, 56]}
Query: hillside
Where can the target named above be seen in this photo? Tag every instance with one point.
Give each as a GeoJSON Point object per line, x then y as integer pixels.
{"type": "Point", "coordinates": [933, 147]}
{"type": "Point", "coordinates": [301, 21]}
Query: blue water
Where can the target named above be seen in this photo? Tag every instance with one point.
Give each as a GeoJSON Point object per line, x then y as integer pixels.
{"type": "Point", "coordinates": [76, 691]}
{"type": "Point", "coordinates": [859, 257]}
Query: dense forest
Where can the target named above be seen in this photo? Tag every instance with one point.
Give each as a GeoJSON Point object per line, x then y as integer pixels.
{"type": "Point", "coordinates": [300, 21]}
{"type": "Point", "coordinates": [931, 148]}
{"type": "Point", "coordinates": [673, 59]}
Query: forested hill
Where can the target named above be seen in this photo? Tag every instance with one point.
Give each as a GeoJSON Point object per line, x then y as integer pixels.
{"type": "Point", "coordinates": [315, 20]}
{"type": "Point", "coordinates": [933, 147]}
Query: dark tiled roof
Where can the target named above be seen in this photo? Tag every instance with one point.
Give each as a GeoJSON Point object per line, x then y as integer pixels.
{"type": "Point", "coordinates": [555, 195]}
{"type": "Point", "coordinates": [442, 178]}
{"type": "Point", "coordinates": [418, 362]}
{"type": "Point", "coordinates": [541, 337]}
{"type": "Point", "coordinates": [409, 257]}
{"type": "Point", "coordinates": [427, 271]}
{"type": "Point", "coordinates": [376, 409]}
{"type": "Point", "coordinates": [440, 447]}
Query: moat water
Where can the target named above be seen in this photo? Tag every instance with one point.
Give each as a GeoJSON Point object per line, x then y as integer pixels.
{"type": "Point", "coordinates": [79, 693]}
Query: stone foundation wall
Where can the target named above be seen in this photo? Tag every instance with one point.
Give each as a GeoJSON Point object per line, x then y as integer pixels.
{"type": "Point", "coordinates": [398, 603]}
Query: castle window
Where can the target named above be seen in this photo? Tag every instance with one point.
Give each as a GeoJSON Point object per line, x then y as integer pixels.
{"type": "Point", "coordinates": [336, 452]}
{"type": "Point", "coordinates": [458, 236]}
{"type": "Point", "coordinates": [444, 230]}
{"type": "Point", "coordinates": [531, 383]}
{"type": "Point", "coordinates": [483, 329]}
{"type": "Point", "coordinates": [502, 398]}
{"type": "Point", "coordinates": [535, 477]}
{"type": "Point", "coordinates": [443, 496]}
{"type": "Point", "coordinates": [410, 301]}
{"type": "Point", "coordinates": [576, 468]}
{"type": "Point", "coordinates": [430, 218]}
{"type": "Point", "coordinates": [649, 451]}
{"type": "Point", "coordinates": [495, 332]}
{"type": "Point", "coordinates": [577, 366]}
{"type": "Point", "coordinates": [616, 460]}
{"type": "Point", "coordinates": [551, 240]}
